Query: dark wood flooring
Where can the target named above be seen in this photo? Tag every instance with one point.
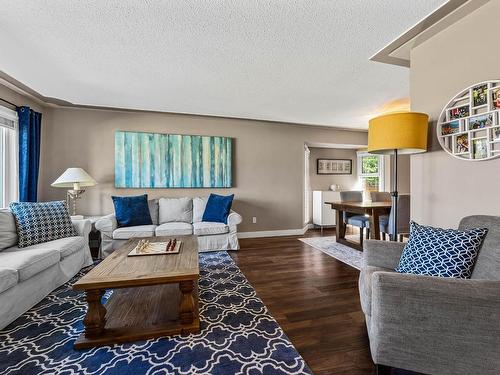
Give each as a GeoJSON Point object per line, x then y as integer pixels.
{"type": "Point", "coordinates": [314, 298]}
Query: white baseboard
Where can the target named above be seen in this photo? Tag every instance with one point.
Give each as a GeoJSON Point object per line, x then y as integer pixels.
{"type": "Point", "coordinates": [275, 233]}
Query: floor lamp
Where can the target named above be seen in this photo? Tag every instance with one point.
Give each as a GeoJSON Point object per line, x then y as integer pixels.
{"type": "Point", "coordinates": [398, 133]}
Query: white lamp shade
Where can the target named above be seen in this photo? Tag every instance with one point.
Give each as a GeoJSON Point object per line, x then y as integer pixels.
{"type": "Point", "coordinates": [72, 177]}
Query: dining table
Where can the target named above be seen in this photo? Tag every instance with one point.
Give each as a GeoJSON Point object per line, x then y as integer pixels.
{"type": "Point", "coordinates": [372, 209]}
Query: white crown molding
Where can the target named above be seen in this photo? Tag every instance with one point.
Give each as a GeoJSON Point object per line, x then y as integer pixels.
{"type": "Point", "coordinates": [398, 51]}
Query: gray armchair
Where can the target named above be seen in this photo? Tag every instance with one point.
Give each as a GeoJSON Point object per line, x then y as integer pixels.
{"type": "Point", "coordinates": [433, 325]}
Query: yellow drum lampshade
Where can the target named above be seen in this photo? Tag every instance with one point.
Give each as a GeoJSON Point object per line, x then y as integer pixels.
{"type": "Point", "coordinates": [402, 131]}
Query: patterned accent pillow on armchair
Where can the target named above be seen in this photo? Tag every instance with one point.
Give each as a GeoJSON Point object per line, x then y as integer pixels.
{"type": "Point", "coordinates": [441, 252]}
{"type": "Point", "coordinates": [41, 222]}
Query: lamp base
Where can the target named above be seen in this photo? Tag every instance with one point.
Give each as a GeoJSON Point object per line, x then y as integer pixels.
{"type": "Point", "coordinates": [73, 195]}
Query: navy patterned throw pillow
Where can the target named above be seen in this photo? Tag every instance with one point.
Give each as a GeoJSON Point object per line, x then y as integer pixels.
{"type": "Point", "coordinates": [441, 252]}
{"type": "Point", "coordinates": [41, 222]}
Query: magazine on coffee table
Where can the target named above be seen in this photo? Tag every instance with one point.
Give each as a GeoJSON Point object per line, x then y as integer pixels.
{"type": "Point", "coordinates": [145, 247]}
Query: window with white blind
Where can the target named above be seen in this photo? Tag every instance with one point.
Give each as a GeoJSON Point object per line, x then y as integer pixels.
{"type": "Point", "coordinates": [8, 156]}
{"type": "Point", "coordinates": [370, 171]}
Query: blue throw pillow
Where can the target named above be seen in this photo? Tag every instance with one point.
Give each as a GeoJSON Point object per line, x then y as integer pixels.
{"type": "Point", "coordinates": [132, 211]}
{"type": "Point", "coordinates": [38, 222]}
{"type": "Point", "coordinates": [218, 208]}
{"type": "Point", "coordinates": [441, 252]}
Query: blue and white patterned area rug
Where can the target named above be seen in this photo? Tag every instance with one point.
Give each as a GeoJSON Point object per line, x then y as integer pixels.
{"type": "Point", "coordinates": [329, 246]}
{"type": "Point", "coordinates": [238, 335]}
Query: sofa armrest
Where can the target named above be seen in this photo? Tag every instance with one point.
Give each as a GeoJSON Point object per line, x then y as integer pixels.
{"type": "Point", "coordinates": [107, 225]}
{"type": "Point", "coordinates": [234, 219]}
{"type": "Point", "coordinates": [382, 253]}
{"type": "Point", "coordinates": [435, 325]}
{"type": "Point", "coordinates": [82, 227]}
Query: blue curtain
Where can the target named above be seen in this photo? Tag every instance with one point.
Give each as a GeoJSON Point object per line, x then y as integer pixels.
{"type": "Point", "coordinates": [29, 153]}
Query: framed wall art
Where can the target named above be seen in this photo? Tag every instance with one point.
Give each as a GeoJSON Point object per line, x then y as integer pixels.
{"type": "Point", "coordinates": [334, 166]}
{"type": "Point", "coordinates": [152, 160]}
{"type": "Point", "coordinates": [469, 125]}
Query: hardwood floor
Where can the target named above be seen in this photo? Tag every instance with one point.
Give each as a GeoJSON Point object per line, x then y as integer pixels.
{"type": "Point", "coordinates": [314, 298]}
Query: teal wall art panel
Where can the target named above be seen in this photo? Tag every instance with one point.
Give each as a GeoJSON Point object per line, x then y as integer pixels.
{"type": "Point", "coordinates": [151, 160]}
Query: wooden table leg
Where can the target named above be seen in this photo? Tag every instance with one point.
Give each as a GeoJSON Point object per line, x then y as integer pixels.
{"type": "Point", "coordinates": [340, 230]}
{"type": "Point", "coordinates": [95, 319]}
{"type": "Point", "coordinates": [374, 225]}
{"type": "Point", "coordinates": [186, 309]}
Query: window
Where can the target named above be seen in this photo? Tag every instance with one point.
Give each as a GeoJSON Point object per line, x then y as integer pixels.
{"type": "Point", "coordinates": [371, 171]}
{"type": "Point", "coordinates": [8, 156]}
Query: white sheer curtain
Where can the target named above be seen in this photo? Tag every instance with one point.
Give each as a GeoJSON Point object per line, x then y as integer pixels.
{"type": "Point", "coordinates": [9, 175]}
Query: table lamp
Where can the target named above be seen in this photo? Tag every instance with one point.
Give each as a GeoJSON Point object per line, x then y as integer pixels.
{"type": "Point", "coordinates": [394, 134]}
{"type": "Point", "coordinates": [75, 178]}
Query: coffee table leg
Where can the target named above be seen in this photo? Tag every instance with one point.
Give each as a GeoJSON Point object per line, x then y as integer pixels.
{"type": "Point", "coordinates": [186, 309]}
{"type": "Point", "coordinates": [96, 314]}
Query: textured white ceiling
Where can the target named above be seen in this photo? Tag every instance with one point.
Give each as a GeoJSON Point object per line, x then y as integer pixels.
{"type": "Point", "coordinates": [282, 60]}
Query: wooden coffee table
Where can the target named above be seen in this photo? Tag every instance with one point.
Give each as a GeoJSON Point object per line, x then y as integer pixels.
{"type": "Point", "coordinates": [153, 295]}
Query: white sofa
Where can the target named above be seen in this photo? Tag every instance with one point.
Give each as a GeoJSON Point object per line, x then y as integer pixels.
{"type": "Point", "coordinates": [29, 274]}
{"type": "Point", "coordinates": [173, 217]}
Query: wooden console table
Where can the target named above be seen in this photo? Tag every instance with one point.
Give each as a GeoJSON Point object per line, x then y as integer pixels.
{"type": "Point", "coordinates": [373, 209]}
{"type": "Point", "coordinates": [153, 295]}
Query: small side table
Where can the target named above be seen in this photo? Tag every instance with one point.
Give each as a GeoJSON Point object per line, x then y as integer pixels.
{"type": "Point", "coordinates": [94, 236]}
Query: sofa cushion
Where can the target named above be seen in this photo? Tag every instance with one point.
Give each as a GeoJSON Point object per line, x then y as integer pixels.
{"type": "Point", "coordinates": [29, 261]}
{"type": "Point", "coordinates": [199, 204]}
{"type": "Point", "coordinates": [39, 222]}
{"type": "Point", "coordinates": [8, 233]}
{"type": "Point", "coordinates": [176, 209]}
{"type": "Point", "coordinates": [208, 228]}
{"type": "Point", "coordinates": [132, 211]}
{"type": "Point", "coordinates": [66, 246]}
{"type": "Point", "coordinates": [154, 209]}
{"type": "Point", "coordinates": [218, 208]}
{"type": "Point", "coordinates": [174, 229]}
{"type": "Point", "coordinates": [441, 252]}
{"type": "Point", "coordinates": [8, 278]}
{"type": "Point", "coordinates": [125, 233]}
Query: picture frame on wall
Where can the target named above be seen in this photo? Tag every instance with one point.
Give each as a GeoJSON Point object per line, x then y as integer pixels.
{"type": "Point", "coordinates": [334, 166]}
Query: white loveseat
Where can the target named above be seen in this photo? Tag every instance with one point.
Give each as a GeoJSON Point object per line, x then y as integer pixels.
{"type": "Point", "coordinates": [29, 274]}
{"type": "Point", "coordinates": [173, 217]}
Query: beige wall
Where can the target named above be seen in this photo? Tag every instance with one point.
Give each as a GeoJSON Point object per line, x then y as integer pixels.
{"type": "Point", "coordinates": [268, 159]}
{"type": "Point", "coordinates": [445, 189]}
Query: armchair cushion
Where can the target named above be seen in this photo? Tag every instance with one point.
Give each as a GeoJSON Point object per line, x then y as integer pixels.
{"type": "Point", "coordinates": [441, 252]}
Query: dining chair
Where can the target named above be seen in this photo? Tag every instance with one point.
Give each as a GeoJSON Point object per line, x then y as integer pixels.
{"type": "Point", "coordinates": [359, 221]}
{"type": "Point", "coordinates": [385, 221]}
{"type": "Point", "coordinates": [380, 196]}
